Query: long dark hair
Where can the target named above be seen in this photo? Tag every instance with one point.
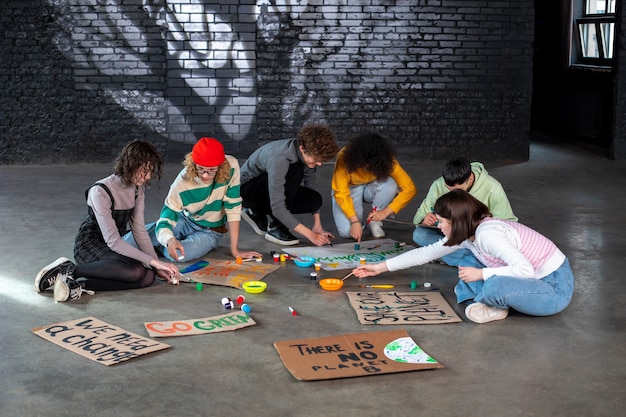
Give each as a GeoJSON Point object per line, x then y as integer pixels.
{"type": "Point", "coordinates": [465, 213]}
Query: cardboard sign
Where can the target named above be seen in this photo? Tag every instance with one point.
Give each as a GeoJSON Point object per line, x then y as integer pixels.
{"type": "Point", "coordinates": [344, 255]}
{"type": "Point", "coordinates": [402, 308]}
{"type": "Point", "coordinates": [216, 324]}
{"type": "Point", "coordinates": [360, 354]}
{"type": "Point", "coordinates": [228, 273]}
{"type": "Point", "coordinates": [98, 341]}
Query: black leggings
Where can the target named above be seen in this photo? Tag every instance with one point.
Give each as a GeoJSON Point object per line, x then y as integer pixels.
{"type": "Point", "coordinates": [298, 199]}
{"type": "Point", "coordinates": [114, 272]}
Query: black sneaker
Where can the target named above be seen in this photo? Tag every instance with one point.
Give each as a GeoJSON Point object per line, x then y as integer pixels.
{"type": "Point", "coordinates": [66, 288]}
{"type": "Point", "coordinates": [257, 221]}
{"type": "Point", "coordinates": [280, 235]}
{"type": "Point", "coordinates": [47, 277]}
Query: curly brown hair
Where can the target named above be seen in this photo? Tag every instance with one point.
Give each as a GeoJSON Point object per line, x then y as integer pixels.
{"type": "Point", "coordinates": [370, 152]}
{"type": "Point", "coordinates": [135, 156]}
{"type": "Point", "coordinates": [223, 172]}
{"type": "Point", "coordinates": [318, 141]}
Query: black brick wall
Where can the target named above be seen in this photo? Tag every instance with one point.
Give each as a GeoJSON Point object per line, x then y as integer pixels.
{"type": "Point", "coordinates": [439, 78]}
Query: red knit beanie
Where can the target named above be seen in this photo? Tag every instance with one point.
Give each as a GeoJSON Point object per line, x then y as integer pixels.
{"type": "Point", "coordinates": [208, 152]}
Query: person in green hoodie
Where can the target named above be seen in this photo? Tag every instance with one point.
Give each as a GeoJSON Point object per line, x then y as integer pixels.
{"type": "Point", "coordinates": [459, 174]}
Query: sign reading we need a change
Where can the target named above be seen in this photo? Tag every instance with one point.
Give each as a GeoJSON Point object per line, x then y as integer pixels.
{"type": "Point", "coordinates": [98, 341]}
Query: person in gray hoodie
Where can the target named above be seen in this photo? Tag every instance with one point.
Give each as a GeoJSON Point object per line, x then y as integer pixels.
{"type": "Point", "coordinates": [278, 180]}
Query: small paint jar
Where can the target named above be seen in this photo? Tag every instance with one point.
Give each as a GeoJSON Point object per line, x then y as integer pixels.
{"type": "Point", "coordinates": [283, 257]}
{"type": "Point", "coordinates": [240, 299]}
{"type": "Point", "coordinates": [357, 246]}
{"type": "Point", "coordinates": [198, 286]}
{"type": "Point", "coordinates": [413, 285]}
{"type": "Point", "coordinates": [239, 260]}
{"type": "Point", "coordinates": [318, 266]}
{"type": "Point", "coordinates": [276, 257]}
{"type": "Point", "coordinates": [246, 308]}
{"type": "Point", "coordinates": [313, 276]}
{"type": "Point", "coordinates": [362, 260]}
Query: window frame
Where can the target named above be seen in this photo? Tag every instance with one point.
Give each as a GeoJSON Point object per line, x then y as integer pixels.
{"type": "Point", "coordinates": [581, 17]}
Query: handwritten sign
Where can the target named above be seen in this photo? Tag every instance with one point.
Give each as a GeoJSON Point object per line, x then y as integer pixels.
{"type": "Point", "coordinates": [360, 354]}
{"type": "Point", "coordinates": [223, 323]}
{"type": "Point", "coordinates": [98, 341]}
{"type": "Point", "coordinates": [344, 255]}
{"type": "Point", "coordinates": [402, 308]}
{"type": "Point", "coordinates": [230, 273]}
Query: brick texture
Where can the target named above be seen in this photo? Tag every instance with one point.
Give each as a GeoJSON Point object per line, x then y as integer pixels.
{"type": "Point", "coordinates": [438, 78]}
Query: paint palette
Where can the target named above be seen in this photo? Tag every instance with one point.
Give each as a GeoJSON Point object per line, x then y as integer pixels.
{"type": "Point", "coordinates": [254, 287]}
{"type": "Point", "coordinates": [331, 284]}
{"type": "Point", "coordinates": [304, 261]}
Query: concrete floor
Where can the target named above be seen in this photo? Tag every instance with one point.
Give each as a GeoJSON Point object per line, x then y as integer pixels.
{"type": "Point", "coordinates": [571, 364]}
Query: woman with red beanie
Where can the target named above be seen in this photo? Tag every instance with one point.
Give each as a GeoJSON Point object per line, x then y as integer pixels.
{"type": "Point", "coordinates": [203, 203]}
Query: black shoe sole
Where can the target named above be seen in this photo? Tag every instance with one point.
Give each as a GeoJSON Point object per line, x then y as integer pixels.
{"type": "Point", "coordinates": [252, 223]}
{"type": "Point", "coordinates": [273, 239]}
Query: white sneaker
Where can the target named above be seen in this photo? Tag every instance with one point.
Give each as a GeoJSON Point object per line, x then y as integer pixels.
{"type": "Point", "coordinates": [66, 288]}
{"type": "Point", "coordinates": [46, 278]}
{"type": "Point", "coordinates": [377, 229]}
{"type": "Point", "coordinates": [482, 313]}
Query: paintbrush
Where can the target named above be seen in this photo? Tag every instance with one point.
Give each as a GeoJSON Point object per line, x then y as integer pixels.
{"type": "Point", "coordinates": [186, 277]}
{"type": "Point", "coordinates": [256, 258]}
{"type": "Point", "coordinates": [377, 286]}
{"type": "Point", "coordinates": [347, 276]}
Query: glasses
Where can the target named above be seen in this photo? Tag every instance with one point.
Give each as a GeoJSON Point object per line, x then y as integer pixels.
{"type": "Point", "coordinates": [208, 171]}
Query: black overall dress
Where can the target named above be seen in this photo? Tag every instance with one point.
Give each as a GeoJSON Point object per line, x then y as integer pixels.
{"type": "Point", "coordinates": [89, 245]}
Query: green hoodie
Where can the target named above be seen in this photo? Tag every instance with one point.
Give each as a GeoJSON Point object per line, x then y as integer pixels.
{"type": "Point", "coordinates": [485, 188]}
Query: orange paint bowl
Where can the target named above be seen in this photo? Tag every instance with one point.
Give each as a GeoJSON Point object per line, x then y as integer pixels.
{"type": "Point", "coordinates": [254, 287]}
{"type": "Point", "coordinates": [331, 284]}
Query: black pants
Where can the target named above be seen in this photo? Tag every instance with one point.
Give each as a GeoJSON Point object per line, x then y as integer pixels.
{"type": "Point", "coordinates": [298, 199]}
{"type": "Point", "coordinates": [114, 272]}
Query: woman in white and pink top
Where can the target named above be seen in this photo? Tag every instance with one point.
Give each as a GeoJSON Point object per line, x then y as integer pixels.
{"type": "Point", "coordinates": [512, 266]}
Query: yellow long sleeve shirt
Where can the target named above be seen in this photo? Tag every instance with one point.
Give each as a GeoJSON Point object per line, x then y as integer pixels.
{"type": "Point", "coordinates": [342, 180]}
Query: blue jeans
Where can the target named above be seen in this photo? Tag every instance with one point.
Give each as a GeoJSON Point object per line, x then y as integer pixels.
{"type": "Point", "coordinates": [378, 193]}
{"type": "Point", "coordinates": [196, 240]}
{"type": "Point", "coordinates": [536, 297]}
{"type": "Point", "coordinates": [424, 236]}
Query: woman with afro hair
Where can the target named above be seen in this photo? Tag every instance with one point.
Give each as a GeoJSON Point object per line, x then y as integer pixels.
{"type": "Point", "coordinates": [367, 171]}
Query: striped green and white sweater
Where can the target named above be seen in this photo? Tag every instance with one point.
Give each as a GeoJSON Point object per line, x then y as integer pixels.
{"type": "Point", "coordinates": [207, 205]}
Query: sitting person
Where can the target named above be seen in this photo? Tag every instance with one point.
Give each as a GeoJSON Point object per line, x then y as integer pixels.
{"type": "Point", "coordinates": [203, 198]}
{"type": "Point", "coordinates": [366, 171]}
{"type": "Point", "coordinates": [104, 261]}
{"type": "Point", "coordinates": [278, 180]}
{"type": "Point", "coordinates": [459, 174]}
{"type": "Point", "coordinates": [513, 266]}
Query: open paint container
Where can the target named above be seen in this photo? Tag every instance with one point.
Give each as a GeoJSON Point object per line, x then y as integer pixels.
{"type": "Point", "coordinates": [304, 261]}
{"type": "Point", "coordinates": [331, 284]}
{"type": "Point", "coordinates": [254, 287]}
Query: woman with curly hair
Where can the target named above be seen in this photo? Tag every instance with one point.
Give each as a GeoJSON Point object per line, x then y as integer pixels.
{"type": "Point", "coordinates": [203, 204]}
{"type": "Point", "coordinates": [278, 180]}
{"type": "Point", "coordinates": [104, 261]}
{"type": "Point", "coordinates": [367, 171]}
